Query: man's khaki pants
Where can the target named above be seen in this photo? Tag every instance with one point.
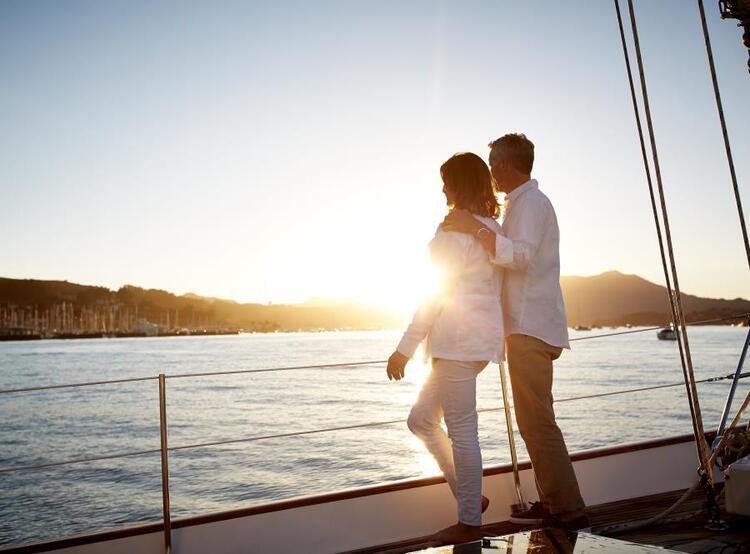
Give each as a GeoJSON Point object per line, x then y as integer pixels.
{"type": "Point", "coordinates": [530, 365]}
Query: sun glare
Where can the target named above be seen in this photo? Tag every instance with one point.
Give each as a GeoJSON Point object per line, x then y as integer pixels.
{"type": "Point", "coordinates": [424, 460]}
{"type": "Point", "coordinates": [405, 292]}
{"type": "Point", "coordinates": [418, 370]}
{"type": "Point", "coordinates": [397, 281]}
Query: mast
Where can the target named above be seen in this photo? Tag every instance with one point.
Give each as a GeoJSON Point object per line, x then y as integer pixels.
{"type": "Point", "coordinates": [739, 10]}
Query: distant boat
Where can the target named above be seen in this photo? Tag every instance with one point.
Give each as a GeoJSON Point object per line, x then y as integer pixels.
{"type": "Point", "coordinates": [666, 334]}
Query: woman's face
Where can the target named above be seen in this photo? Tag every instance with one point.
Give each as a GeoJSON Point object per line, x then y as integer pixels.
{"type": "Point", "coordinates": [450, 198]}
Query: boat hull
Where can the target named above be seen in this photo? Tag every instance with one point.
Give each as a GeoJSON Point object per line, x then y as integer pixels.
{"type": "Point", "coordinates": [390, 514]}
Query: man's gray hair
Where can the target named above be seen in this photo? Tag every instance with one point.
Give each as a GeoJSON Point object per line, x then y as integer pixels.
{"type": "Point", "coordinates": [516, 148]}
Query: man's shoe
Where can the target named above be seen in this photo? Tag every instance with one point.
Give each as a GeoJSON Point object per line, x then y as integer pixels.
{"type": "Point", "coordinates": [537, 514]}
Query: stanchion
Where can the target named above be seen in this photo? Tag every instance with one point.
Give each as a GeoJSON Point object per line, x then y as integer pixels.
{"type": "Point", "coordinates": [732, 389]}
{"type": "Point", "coordinates": [164, 463]}
{"type": "Point", "coordinates": [521, 505]}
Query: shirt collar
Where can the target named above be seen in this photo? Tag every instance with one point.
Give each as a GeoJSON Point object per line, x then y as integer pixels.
{"type": "Point", "coordinates": [528, 185]}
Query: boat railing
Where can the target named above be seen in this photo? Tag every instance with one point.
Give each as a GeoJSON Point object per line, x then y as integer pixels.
{"type": "Point", "coordinates": [165, 448]}
{"type": "Point", "coordinates": [744, 316]}
{"type": "Point", "coordinates": [381, 423]}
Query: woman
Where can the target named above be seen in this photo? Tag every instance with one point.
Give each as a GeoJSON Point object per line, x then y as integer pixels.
{"type": "Point", "coordinates": [463, 328]}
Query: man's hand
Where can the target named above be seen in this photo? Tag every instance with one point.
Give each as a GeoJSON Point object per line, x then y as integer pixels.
{"type": "Point", "coordinates": [396, 366]}
{"type": "Point", "coordinates": [461, 221]}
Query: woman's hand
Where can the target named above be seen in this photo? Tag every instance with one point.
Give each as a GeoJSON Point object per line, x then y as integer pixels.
{"type": "Point", "coordinates": [396, 366]}
{"type": "Point", "coordinates": [461, 221]}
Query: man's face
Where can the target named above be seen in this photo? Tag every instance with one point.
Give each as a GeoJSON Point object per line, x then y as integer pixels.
{"type": "Point", "coordinates": [499, 169]}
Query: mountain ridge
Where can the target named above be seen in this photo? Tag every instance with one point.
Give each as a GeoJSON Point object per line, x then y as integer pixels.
{"type": "Point", "coordinates": [611, 298]}
{"type": "Point", "coordinates": [615, 298]}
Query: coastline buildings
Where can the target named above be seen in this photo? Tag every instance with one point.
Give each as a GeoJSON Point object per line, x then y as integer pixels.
{"type": "Point", "coordinates": [71, 320]}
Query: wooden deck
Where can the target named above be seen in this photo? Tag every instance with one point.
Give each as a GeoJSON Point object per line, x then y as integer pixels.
{"type": "Point", "coordinates": [687, 535]}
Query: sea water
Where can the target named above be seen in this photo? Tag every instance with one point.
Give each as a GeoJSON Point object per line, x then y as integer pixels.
{"type": "Point", "coordinates": [71, 423]}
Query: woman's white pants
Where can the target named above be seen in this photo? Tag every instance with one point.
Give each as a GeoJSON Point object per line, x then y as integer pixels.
{"type": "Point", "coordinates": [450, 392]}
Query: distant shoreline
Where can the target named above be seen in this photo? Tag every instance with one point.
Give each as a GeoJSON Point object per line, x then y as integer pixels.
{"type": "Point", "coordinates": [56, 308]}
{"type": "Point", "coordinates": [81, 336]}
{"type": "Point", "coordinates": [209, 333]}
{"type": "Point", "coordinates": [116, 335]}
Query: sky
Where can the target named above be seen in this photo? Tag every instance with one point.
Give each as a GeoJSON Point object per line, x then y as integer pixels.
{"type": "Point", "coordinates": [277, 151]}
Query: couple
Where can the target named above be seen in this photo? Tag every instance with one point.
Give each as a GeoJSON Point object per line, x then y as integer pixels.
{"type": "Point", "coordinates": [502, 292]}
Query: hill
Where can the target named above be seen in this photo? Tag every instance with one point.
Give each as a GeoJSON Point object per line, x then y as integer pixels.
{"type": "Point", "coordinates": [614, 298]}
{"type": "Point", "coordinates": [26, 302]}
{"type": "Point", "coordinates": [611, 298]}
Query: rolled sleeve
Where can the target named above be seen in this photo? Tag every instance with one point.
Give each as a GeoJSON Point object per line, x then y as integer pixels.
{"type": "Point", "coordinates": [408, 345]}
{"type": "Point", "coordinates": [419, 327]}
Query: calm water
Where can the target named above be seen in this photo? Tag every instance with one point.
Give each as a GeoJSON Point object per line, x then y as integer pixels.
{"type": "Point", "coordinates": [44, 427]}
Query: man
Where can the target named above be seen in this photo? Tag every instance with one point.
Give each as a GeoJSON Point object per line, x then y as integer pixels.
{"type": "Point", "coordinates": [536, 327]}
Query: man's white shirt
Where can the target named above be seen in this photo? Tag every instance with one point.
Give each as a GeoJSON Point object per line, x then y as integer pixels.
{"type": "Point", "coordinates": [529, 250]}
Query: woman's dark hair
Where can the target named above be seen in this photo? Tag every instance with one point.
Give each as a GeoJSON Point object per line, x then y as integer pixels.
{"type": "Point", "coordinates": [468, 178]}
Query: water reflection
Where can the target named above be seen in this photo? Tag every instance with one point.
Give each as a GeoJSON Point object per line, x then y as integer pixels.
{"type": "Point", "coordinates": [75, 423]}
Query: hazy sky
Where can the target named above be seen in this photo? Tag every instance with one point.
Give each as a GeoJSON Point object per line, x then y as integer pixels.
{"type": "Point", "coordinates": [282, 150]}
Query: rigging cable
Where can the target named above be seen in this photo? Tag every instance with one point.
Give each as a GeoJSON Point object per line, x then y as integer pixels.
{"type": "Point", "coordinates": [722, 121]}
{"type": "Point", "coordinates": [675, 302]}
{"type": "Point", "coordinates": [733, 174]}
{"type": "Point", "coordinates": [652, 198]}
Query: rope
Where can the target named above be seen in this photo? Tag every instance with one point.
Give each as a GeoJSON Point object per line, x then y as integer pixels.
{"type": "Point", "coordinates": [180, 375]}
{"type": "Point", "coordinates": [653, 387]}
{"type": "Point", "coordinates": [73, 385]}
{"type": "Point", "coordinates": [645, 329]}
{"type": "Point", "coordinates": [722, 121]}
{"type": "Point", "coordinates": [294, 434]}
{"type": "Point", "coordinates": [636, 525]}
{"type": "Point", "coordinates": [724, 437]}
{"type": "Point", "coordinates": [678, 316]}
{"type": "Point", "coordinates": [623, 527]}
{"type": "Point", "coordinates": [79, 461]}
{"type": "Point", "coordinates": [340, 428]}
{"type": "Point", "coordinates": [238, 371]}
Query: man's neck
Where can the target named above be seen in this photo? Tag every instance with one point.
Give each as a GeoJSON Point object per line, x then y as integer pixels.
{"type": "Point", "coordinates": [517, 182]}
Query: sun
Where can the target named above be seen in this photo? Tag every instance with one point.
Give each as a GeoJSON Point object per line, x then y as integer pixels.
{"type": "Point", "coordinates": [385, 263]}
{"type": "Point", "coordinates": [405, 291]}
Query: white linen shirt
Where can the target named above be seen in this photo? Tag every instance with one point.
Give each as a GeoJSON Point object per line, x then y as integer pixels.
{"type": "Point", "coordinates": [528, 248]}
{"type": "Point", "coordinates": [464, 322]}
